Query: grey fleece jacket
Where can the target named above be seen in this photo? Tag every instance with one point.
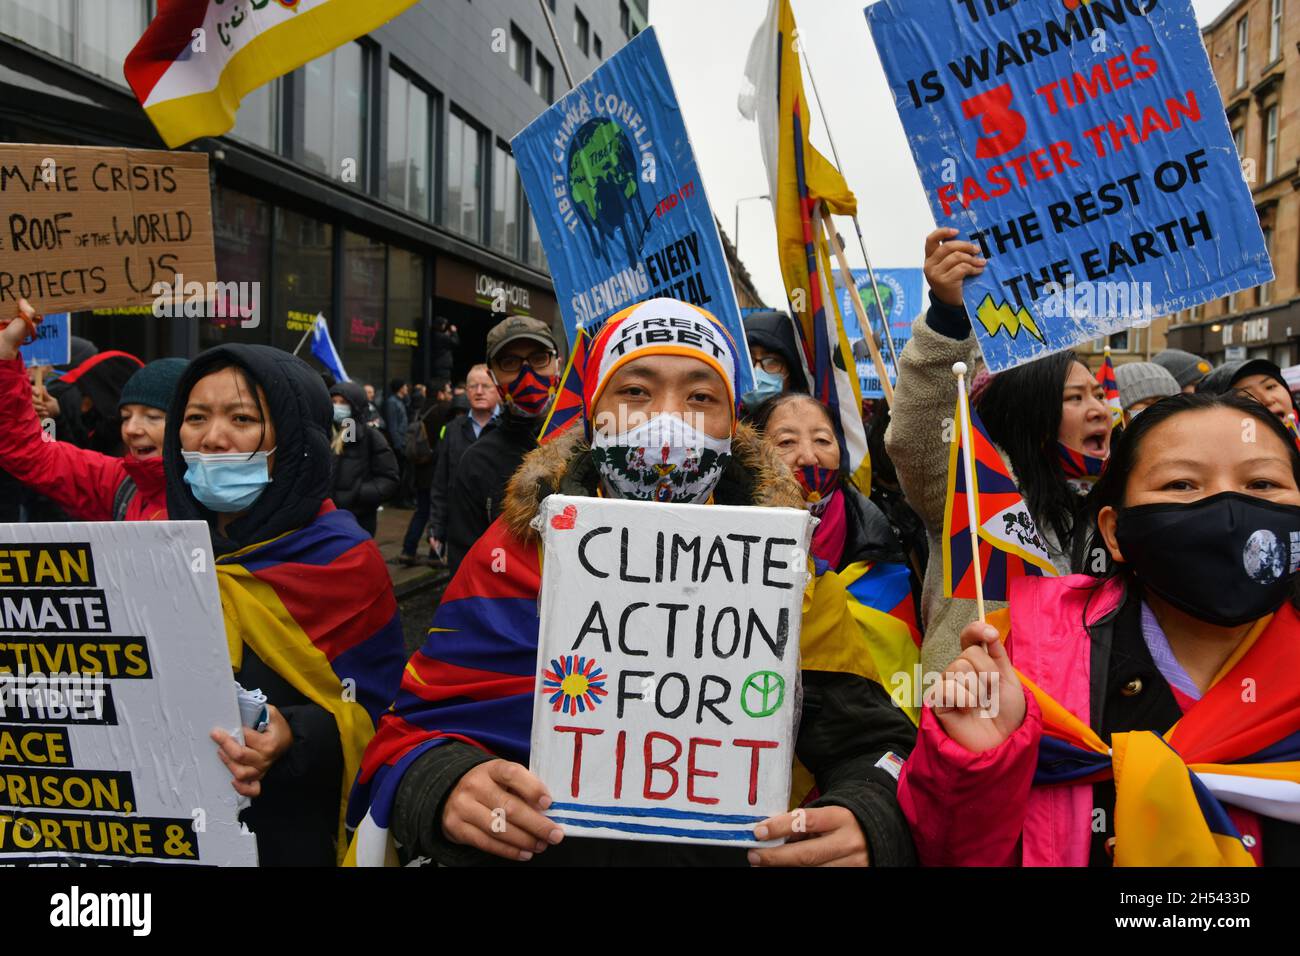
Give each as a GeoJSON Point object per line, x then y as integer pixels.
{"type": "Point", "coordinates": [925, 400]}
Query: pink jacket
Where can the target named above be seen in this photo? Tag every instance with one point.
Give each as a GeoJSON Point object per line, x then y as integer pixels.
{"type": "Point", "coordinates": [970, 809]}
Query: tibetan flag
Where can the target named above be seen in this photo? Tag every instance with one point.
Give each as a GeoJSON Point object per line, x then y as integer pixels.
{"type": "Point", "coordinates": [199, 58]}
{"type": "Point", "coordinates": [1106, 378]}
{"type": "Point", "coordinates": [1081, 470]}
{"type": "Point", "coordinates": [566, 410]}
{"type": "Point", "coordinates": [1229, 747]}
{"type": "Point", "coordinates": [322, 347]}
{"type": "Point", "coordinates": [1010, 544]}
{"type": "Point", "coordinates": [802, 184]}
{"type": "Point", "coordinates": [1293, 429]}
{"type": "Point", "coordinates": [308, 605]}
{"type": "Point", "coordinates": [881, 600]}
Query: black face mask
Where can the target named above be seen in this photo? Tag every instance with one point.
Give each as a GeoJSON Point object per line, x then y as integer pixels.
{"type": "Point", "coordinates": [1226, 560]}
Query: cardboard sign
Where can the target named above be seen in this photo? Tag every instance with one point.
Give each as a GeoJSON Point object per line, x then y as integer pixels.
{"type": "Point", "coordinates": [902, 293]}
{"type": "Point", "coordinates": [83, 227]}
{"type": "Point", "coordinates": [53, 345]}
{"type": "Point", "coordinates": [113, 672]}
{"type": "Point", "coordinates": [668, 667]}
{"type": "Point", "coordinates": [618, 200]}
{"type": "Point", "coordinates": [1085, 148]}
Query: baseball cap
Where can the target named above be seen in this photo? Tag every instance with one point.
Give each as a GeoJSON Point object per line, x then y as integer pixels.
{"type": "Point", "coordinates": [517, 327]}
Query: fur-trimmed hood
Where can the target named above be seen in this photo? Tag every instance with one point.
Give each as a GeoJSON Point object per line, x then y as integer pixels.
{"type": "Point", "coordinates": [755, 476]}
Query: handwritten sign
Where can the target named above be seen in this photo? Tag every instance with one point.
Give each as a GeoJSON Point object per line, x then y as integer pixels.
{"type": "Point", "coordinates": [668, 665]}
{"type": "Point", "coordinates": [617, 197]}
{"type": "Point", "coordinates": [1084, 148]}
{"type": "Point", "coordinates": [84, 228]}
{"type": "Point", "coordinates": [113, 672]}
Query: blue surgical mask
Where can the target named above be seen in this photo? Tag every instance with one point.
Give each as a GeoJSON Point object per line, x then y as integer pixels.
{"type": "Point", "coordinates": [227, 482]}
{"type": "Point", "coordinates": [766, 385]}
{"type": "Point", "coordinates": [342, 413]}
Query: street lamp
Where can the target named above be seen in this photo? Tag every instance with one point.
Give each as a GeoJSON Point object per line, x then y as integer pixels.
{"type": "Point", "coordinates": [735, 236]}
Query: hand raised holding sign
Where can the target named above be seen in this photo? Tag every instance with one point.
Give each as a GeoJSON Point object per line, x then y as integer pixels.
{"type": "Point", "coordinates": [983, 701]}
{"type": "Point", "coordinates": [816, 836]}
{"type": "Point", "coordinates": [948, 263]}
{"type": "Point", "coordinates": [18, 330]}
{"type": "Point", "coordinates": [491, 808]}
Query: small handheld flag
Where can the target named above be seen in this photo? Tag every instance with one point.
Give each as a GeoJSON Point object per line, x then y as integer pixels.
{"type": "Point", "coordinates": [322, 347]}
{"type": "Point", "coordinates": [1106, 378]}
{"type": "Point", "coordinates": [566, 410]}
{"type": "Point", "coordinates": [989, 536]}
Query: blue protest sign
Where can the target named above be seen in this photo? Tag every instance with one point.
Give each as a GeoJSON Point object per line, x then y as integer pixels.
{"type": "Point", "coordinates": [1084, 147]}
{"type": "Point", "coordinates": [53, 345]}
{"type": "Point", "coordinates": [614, 189]}
{"type": "Point", "coordinates": [902, 294]}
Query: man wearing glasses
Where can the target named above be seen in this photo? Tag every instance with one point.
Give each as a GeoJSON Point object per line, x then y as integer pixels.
{"type": "Point", "coordinates": [525, 368]}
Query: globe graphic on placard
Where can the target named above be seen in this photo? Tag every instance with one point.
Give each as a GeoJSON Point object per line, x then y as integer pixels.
{"type": "Point", "coordinates": [869, 298]}
{"type": "Point", "coordinates": [603, 186]}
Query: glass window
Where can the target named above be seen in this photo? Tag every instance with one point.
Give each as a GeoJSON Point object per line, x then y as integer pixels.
{"type": "Point", "coordinates": [581, 32]}
{"type": "Point", "coordinates": [1119, 341]}
{"type": "Point", "coordinates": [505, 203]}
{"type": "Point", "coordinates": [409, 146]}
{"type": "Point", "coordinates": [304, 278]}
{"type": "Point", "coordinates": [521, 54]}
{"type": "Point", "coordinates": [536, 255]}
{"type": "Point", "coordinates": [334, 128]}
{"type": "Point", "coordinates": [45, 24]}
{"type": "Point", "coordinates": [1266, 290]}
{"type": "Point", "coordinates": [1243, 47]}
{"type": "Point", "coordinates": [464, 211]}
{"type": "Point", "coordinates": [544, 79]}
{"type": "Point", "coordinates": [1275, 32]}
{"type": "Point", "coordinates": [242, 241]}
{"type": "Point", "coordinates": [598, 47]}
{"type": "Point", "coordinates": [106, 32]}
{"type": "Point", "coordinates": [362, 346]}
{"type": "Point", "coordinates": [1270, 143]}
{"type": "Point", "coordinates": [258, 119]}
{"type": "Point", "coordinates": [625, 19]}
{"type": "Point", "coordinates": [406, 333]}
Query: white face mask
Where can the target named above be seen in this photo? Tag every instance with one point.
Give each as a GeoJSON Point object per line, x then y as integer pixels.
{"type": "Point", "coordinates": [664, 460]}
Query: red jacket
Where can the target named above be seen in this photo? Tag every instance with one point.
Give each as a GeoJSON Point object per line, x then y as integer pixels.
{"type": "Point", "coordinates": [83, 483]}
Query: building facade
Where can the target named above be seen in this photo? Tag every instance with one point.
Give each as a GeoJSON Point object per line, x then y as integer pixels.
{"type": "Point", "coordinates": [375, 185]}
{"type": "Point", "coordinates": [1254, 48]}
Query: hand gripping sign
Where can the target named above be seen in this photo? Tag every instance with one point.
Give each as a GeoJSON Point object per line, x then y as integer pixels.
{"type": "Point", "coordinates": [668, 667]}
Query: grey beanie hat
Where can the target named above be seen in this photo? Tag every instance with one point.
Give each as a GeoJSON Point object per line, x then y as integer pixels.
{"type": "Point", "coordinates": [1186, 368]}
{"type": "Point", "coordinates": [1139, 381]}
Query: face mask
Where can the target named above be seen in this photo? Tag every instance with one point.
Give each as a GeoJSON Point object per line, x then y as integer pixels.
{"type": "Point", "coordinates": [819, 485]}
{"type": "Point", "coordinates": [227, 482]}
{"type": "Point", "coordinates": [663, 460]}
{"type": "Point", "coordinates": [766, 385]}
{"type": "Point", "coordinates": [1225, 560]}
{"type": "Point", "coordinates": [1081, 470]}
{"type": "Point", "coordinates": [529, 393]}
{"type": "Point", "coordinates": [342, 413]}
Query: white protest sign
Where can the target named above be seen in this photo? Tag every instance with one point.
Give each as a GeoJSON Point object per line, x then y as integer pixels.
{"type": "Point", "coordinates": [113, 672]}
{"type": "Point", "coordinates": [668, 667]}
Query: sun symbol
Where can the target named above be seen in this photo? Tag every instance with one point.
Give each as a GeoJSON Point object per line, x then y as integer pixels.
{"type": "Point", "coordinates": [576, 684]}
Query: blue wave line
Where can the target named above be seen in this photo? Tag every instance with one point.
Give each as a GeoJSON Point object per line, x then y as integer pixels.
{"type": "Point", "coordinates": [737, 835]}
{"type": "Point", "coordinates": [662, 812]}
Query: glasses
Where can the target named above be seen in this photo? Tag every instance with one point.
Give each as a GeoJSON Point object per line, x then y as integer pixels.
{"type": "Point", "coordinates": [512, 363]}
{"type": "Point", "coordinates": [480, 388]}
{"type": "Point", "coordinates": [771, 364]}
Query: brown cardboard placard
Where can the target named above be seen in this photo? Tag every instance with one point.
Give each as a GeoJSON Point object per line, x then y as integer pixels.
{"type": "Point", "coordinates": [85, 227]}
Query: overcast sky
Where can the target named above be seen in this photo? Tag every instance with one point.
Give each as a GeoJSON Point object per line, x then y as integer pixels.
{"type": "Point", "coordinates": [706, 42]}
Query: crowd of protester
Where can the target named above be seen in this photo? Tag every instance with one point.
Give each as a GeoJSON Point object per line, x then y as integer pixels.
{"type": "Point", "coordinates": [1143, 628]}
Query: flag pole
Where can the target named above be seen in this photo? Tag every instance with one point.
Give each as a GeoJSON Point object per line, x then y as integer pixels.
{"type": "Point", "coordinates": [972, 490]}
{"type": "Point", "coordinates": [846, 276]}
{"type": "Point", "coordinates": [555, 38]}
{"type": "Point", "coordinates": [306, 335]}
{"type": "Point", "coordinates": [857, 225]}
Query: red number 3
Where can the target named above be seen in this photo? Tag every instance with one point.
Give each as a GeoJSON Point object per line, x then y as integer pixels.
{"type": "Point", "coordinates": [1003, 127]}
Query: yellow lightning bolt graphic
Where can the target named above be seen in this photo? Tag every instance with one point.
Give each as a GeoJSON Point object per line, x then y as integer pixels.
{"type": "Point", "coordinates": [996, 317]}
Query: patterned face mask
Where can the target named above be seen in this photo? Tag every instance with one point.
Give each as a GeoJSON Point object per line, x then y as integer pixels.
{"type": "Point", "coordinates": [529, 393]}
{"type": "Point", "coordinates": [818, 485]}
{"type": "Point", "coordinates": [1081, 470]}
{"type": "Point", "coordinates": [664, 460]}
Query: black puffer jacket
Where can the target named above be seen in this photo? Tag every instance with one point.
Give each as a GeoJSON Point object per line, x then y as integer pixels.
{"type": "Point", "coordinates": [478, 489]}
{"type": "Point", "coordinates": [366, 473]}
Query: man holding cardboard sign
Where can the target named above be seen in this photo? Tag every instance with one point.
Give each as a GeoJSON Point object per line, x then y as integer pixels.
{"type": "Point", "coordinates": [447, 774]}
